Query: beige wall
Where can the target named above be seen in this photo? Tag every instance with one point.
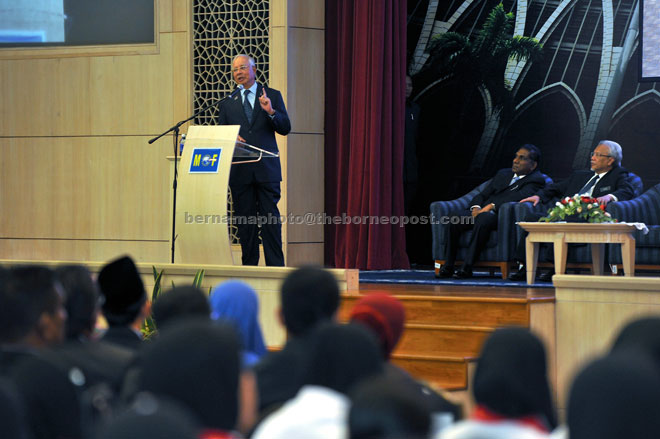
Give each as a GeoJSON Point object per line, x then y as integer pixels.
{"type": "Point", "coordinates": [78, 180]}
{"type": "Point", "coordinates": [298, 70]}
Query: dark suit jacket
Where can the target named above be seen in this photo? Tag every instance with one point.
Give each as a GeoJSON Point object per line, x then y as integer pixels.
{"type": "Point", "coordinates": [101, 362]}
{"type": "Point", "coordinates": [499, 191]}
{"type": "Point", "coordinates": [122, 336]}
{"type": "Point", "coordinates": [614, 182]}
{"type": "Point", "coordinates": [260, 133]}
{"type": "Point", "coordinates": [280, 374]}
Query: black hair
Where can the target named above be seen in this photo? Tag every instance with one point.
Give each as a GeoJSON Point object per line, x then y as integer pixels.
{"type": "Point", "coordinates": [82, 298]}
{"type": "Point", "coordinates": [179, 302]}
{"type": "Point", "coordinates": [29, 291]}
{"type": "Point", "coordinates": [308, 296]}
{"type": "Point", "coordinates": [534, 152]}
{"type": "Point", "coordinates": [384, 408]}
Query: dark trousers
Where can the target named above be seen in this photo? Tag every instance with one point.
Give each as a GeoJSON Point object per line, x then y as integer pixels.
{"type": "Point", "coordinates": [484, 223]}
{"type": "Point", "coordinates": [255, 207]}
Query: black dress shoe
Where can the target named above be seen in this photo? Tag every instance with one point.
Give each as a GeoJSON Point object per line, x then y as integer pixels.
{"type": "Point", "coordinates": [463, 273]}
{"type": "Point", "coordinates": [446, 271]}
{"type": "Point", "coordinates": [546, 276]}
{"type": "Point", "coordinates": [519, 275]}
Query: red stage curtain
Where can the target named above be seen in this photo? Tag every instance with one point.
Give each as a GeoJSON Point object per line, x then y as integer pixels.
{"type": "Point", "coordinates": [364, 131]}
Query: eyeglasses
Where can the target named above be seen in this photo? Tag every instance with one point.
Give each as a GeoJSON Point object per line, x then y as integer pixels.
{"type": "Point", "coordinates": [597, 154]}
{"type": "Point", "coordinates": [241, 68]}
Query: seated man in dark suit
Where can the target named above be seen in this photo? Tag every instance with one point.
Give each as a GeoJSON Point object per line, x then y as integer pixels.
{"type": "Point", "coordinates": [522, 180]}
{"type": "Point", "coordinates": [607, 181]}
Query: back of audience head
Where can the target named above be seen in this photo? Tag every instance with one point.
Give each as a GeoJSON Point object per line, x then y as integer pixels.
{"type": "Point", "coordinates": [382, 409]}
{"type": "Point", "coordinates": [180, 303]}
{"type": "Point", "coordinates": [341, 356]}
{"type": "Point", "coordinates": [642, 334]}
{"type": "Point", "coordinates": [197, 364]}
{"type": "Point", "coordinates": [151, 417]}
{"type": "Point", "coordinates": [309, 295]}
{"type": "Point", "coordinates": [615, 397]}
{"type": "Point", "coordinates": [31, 307]}
{"type": "Point", "coordinates": [82, 300]}
{"type": "Point", "coordinates": [382, 314]}
{"type": "Point", "coordinates": [511, 376]}
{"type": "Point", "coordinates": [123, 292]}
{"type": "Point", "coordinates": [236, 303]}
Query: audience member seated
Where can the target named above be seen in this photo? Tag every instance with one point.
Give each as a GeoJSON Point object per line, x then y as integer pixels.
{"type": "Point", "coordinates": [32, 314]}
{"type": "Point", "coordinates": [125, 306]}
{"type": "Point", "coordinates": [382, 408]}
{"type": "Point", "coordinates": [197, 364]}
{"type": "Point", "coordinates": [236, 303]}
{"type": "Point", "coordinates": [340, 357]}
{"type": "Point", "coordinates": [100, 362]}
{"type": "Point", "coordinates": [32, 319]}
{"type": "Point", "coordinates": [511, 390]}
{"type": "Point", "coordinates": [180, 303]}
{"type": "Point", "coordinates": [384, 315]}
{"type": "Point", "coordinates": [309, 296]}
{"type": "Point", "coordinates": [615, 397]}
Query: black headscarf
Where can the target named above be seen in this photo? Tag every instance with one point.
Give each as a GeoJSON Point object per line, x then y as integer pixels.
{"type": "Point", "coordinates": [196, 364]}
{"type": "Point", "coordinates": [616, 397]}
{"type": "Point", "coordinates": [511, 377]}
{"type": "Point", "coordinates": [341, 356]}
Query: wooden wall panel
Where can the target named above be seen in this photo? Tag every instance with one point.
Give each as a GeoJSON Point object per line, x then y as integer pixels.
{"type": "Point", "coordinates": [591, 310]}
{"type": "Point", "coordinates": [78, 176]}
{"type": "Point", "coordinates": [84, 187]}
{"type": "Point", "coordinates": [83, 250]}
{"type": "Point", "coordinates": [305, 186]}
{"type": "Point", "coordinates": [297, 69]}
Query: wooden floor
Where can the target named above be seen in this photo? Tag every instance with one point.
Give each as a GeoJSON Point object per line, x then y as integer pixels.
{"type": "Point", "coordinates": [446, 325]}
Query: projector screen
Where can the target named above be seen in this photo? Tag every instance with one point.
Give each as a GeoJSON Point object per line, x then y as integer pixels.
{"type": "Point", "coordinates": [35, 23]}
{"type": "Point", "coordinates": [650, 40]}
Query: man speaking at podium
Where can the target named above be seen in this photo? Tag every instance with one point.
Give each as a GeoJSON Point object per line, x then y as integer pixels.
{"type": "Point", "coordinates": [255, 187]}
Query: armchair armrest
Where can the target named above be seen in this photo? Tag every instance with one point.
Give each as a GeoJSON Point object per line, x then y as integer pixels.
{"type": "Point", "coordinates": [440, 209]}
{"type": "Point", "coordinates": [645, 208]}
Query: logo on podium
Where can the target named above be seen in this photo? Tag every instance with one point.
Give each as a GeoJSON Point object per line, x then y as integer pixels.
{"type": "Point", "coordinates": [205, 160]}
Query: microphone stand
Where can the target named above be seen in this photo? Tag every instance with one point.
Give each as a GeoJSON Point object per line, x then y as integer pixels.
{"type": "Point", "coordinates": [175, 133]}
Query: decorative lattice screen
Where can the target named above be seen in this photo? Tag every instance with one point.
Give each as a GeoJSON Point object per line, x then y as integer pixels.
{"type": "Point", "coordinates": [223, 29]}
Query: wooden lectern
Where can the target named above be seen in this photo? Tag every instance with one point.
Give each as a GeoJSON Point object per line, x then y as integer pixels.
{"type": "Point", "coordinates": [202, 221]}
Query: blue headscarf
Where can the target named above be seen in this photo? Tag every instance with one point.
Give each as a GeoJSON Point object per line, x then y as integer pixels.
{"type": "Point", "coordinates": [236, 302]}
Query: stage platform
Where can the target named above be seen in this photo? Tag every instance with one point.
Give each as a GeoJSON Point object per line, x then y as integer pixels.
{"type": "Point", "coordinates": [447, 322]}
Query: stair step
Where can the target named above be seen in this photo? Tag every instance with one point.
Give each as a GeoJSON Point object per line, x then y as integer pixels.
{"type": "Point", "coordinates": [449, 340]}
{"type": "Point", "coordinates": [469, 311]}
{"type": "Point", "coordinates": [443, 372]}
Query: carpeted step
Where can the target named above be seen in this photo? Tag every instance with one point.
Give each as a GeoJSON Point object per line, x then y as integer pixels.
{"type": "Point", "coordinates": [469, 311]}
